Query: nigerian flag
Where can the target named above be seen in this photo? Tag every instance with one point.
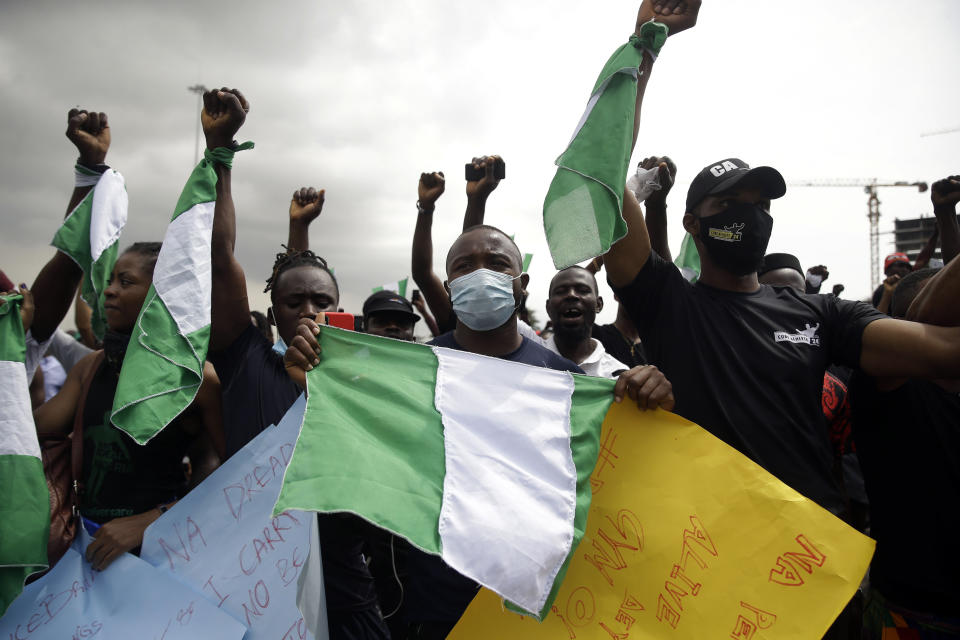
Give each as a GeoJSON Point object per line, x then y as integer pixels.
{"type": "Point", "coordinates": [688, 260]}
{"type": "Point", "coordinates": [163, 366]}
{"type": "Point", "coordinates": [400, 287]}
{"type": "Point", "coordinates": [482, 461]}
{"type": "Point", "coordinates": [582, 212]}
{"type": "Point", "coordinates": [25, 503]}
{"type": "Point", "coordinates": [90, 233]}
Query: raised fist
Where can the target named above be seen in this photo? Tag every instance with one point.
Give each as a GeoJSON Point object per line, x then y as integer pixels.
{"type": "Point", "coordinates": [90, 133]}
{"type": "Point", "coordinates": [678, 15]}
{"type": "Point", "coordinates": [306, 204]}
{"type": "Point", "coordinates": [224, 111]}
{"type": "Point", "coordinates": [430, 188]}
{"type": "Point", "coordinates": [666, 175]}
{"type": "Point", "coordinates": [946, 192]}
{"type": "Point", "coordinates": [485, 185]}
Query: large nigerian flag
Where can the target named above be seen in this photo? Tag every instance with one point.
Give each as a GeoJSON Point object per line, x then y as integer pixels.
{"type": "Point", "coordinates": [482, 461]}
{"type": "Point", "coordinates": [582, 211]}
{"type": "Point", "coordinates": [90, 233]}
{"type": "Point", "coordinates": [163, 366]}
{"type": "Point", "coordinates": [24, 502]}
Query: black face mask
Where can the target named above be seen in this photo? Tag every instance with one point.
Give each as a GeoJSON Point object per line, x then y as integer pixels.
{"type": "Point", "coordinates": [737, 237]}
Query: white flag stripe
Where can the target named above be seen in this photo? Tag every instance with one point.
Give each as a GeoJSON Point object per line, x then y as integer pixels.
{"type": "Point", "coordinates": [18, 435]}
{"type": "Point", "coordinates": [109, 212]}
{"type": "Point", "coordinates": [509, 493]}
{"type": "Point", "coordinates": [182, 275]}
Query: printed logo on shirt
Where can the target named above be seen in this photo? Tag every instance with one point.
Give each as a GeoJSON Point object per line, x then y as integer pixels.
{"type": "Point", "coordinates": [802, 336]}
{"type": "Point", "coordinates": [730, 233]}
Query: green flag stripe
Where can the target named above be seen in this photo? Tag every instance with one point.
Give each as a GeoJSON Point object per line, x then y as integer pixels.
{"type": "Point", "coordinates": [377, 453]}
{"type": "Point", "coordinates": [24, 524]}
{"type": "Point", "coordinates": [12, 341]}
{"type": "Point", "coordinates": [201, 187]}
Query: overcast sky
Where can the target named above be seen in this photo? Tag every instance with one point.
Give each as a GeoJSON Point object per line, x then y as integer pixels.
{"type": "Point", "coordinates": [360, 97]}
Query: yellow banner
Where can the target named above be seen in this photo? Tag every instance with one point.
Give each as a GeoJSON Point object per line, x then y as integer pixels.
{"type": "Point", "coordinates": [688, 539]}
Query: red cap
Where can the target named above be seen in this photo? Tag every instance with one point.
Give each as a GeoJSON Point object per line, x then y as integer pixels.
{"type": "Point", "coordinates": [894, 258]}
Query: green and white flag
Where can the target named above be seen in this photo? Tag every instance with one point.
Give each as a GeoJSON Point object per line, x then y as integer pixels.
{"type": "Point", "coordinates": [90, 234]}
{"type": "Point", "coordinates": [163, 366]}
{"type": "Point", "coordinates": [527, 257]}
{"type": "Point", "coordinates": [24, 503]}
{"type": "Point", "coordinates": [482, 461]}
{"type": "Point", "coordinates": [688, 260]}
{"type": "Point", "coordinates": [400, 286]}
{"type": "Point", "coordinates": [582, 213]}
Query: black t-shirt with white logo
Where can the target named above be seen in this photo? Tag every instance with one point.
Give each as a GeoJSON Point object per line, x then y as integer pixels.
{"type": "Point", "coordinates": [748, 367]}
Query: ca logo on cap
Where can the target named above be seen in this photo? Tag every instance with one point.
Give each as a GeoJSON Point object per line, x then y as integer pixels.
{"type": "Point", "coordinates": [720, 169]}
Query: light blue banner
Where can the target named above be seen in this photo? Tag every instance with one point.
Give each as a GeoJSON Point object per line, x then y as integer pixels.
{"type": "Point", "coordinates": [222, 541]}
{"type": "Point", "coordinates": [130, 599]}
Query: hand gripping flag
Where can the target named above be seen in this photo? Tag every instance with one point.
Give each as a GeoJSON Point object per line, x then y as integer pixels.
{"type": "Point", "coordinates": [163, 367]}
{"type": "Point", "coordinates": [479, 460]}
{"type": "Point", "coordinates": [582, 211]}
{"type": "Point", "coordinates": [25, 503]}
{"type": "Point", "coordinates": [90, 234]}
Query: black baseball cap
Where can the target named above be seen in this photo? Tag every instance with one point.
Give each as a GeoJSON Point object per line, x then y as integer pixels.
{"type": "Point", "coordinates": [388, 301]}
{"type": "Point", "coordinates": [773, 261]}
{"type": "Point", "coordinates": [720, 176]}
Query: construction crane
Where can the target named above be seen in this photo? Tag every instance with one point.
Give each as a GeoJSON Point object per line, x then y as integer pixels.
{"type": "Point", "coordinates": [873, 211]}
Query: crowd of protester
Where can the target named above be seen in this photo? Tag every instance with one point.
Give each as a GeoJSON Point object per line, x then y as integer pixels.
{"type": "Point", "coordinates": [852, 403]}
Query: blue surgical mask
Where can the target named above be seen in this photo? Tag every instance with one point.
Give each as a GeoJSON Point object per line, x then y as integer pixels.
{"type": "Point", "coordinates": [280, 346]}
{"type": "Point", "coordinates": [483, 299]}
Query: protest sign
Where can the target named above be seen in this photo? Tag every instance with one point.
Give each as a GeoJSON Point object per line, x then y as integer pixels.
{"type": "Point", "coordinates": [687, 538]}
{"type": "Point", "coordinates": [222, 540]}
{"type": "Point", "coordinates": [130, 599]}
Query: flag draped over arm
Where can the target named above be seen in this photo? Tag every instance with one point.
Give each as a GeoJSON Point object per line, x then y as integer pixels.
{"type": "Point", "coordinates": [479, 460]}
{"type": "Point", "coordinates": [163, 366]}
{"type": "Point", "coordinates": [582, 212]}
{"type": "Point", "coordinates": [24, 502]}
{"type": "Point", "coordinates": [90, 235]}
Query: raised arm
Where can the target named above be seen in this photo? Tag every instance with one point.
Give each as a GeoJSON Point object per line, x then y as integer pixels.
{"type": "Point", "coordinates": [629, 255]}
{"type": "Point", "coordinates": [57, 281]}
{"type": "Point", "coordinates": [305, 207]}
{"type": "Point", "coordinates": [656, 204]}
{"type": "Point", "coordinates": [945, 195]}
{"type": "Point", "coordinates": [430, 188]}
{"type": "Point", "coordinates": [905, 349]}
{"type": "Point", "coordinates": [923, 258]}
{"type": "Point", "coordinates": [479, 190]}
{"type": "Point", "coordinates": [224, 112]}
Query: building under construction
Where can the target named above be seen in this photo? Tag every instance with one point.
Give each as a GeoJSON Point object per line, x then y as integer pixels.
{"type": "Point", "coordinates": [911, 235]}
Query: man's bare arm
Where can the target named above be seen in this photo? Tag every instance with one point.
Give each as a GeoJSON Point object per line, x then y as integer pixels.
{"type": "Point", "coordinates": [224, 112]}
{"type": "Point", "coordinates": [629, 255]}
{"type": "Point", "coordinates": [656, 205]}
{"type": "Point", "coordinates": [479, 190]}
{"type": "Point", "coordinates": [305, 206]}
{"type": "Point", "coordinates": [945, 195]}
{"type": "Point", "coordinates": [56, 283]}
{"type": "Point", "coordinates": [937, 302]}
{"type": "Point", "coordinates": [430, 188]}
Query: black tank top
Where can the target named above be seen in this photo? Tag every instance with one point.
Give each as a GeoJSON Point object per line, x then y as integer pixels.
{"type": "Point", "coordinates": [120, 477]}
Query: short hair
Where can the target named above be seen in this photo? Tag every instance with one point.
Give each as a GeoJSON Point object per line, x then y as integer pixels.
{"type": "Point", "coordinates": [149, 251]}
{"type": "Point", "coordinates": [494, 229]}
{"type": "Point", "coordinates": [292, 258]}
{"type": "Point", "coordinates": [593, 277]}
{"type": "Point", "coordinates": [907, 291]}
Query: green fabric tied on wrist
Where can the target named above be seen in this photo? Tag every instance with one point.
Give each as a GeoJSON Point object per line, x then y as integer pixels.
{"type": "Point", "coordinates": [652, 37]}
{"type": "Point", "coordinates": [224, 155]}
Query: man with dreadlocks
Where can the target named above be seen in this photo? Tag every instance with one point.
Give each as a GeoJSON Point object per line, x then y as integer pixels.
{"type": "Point", "coordinates": [256, 389]}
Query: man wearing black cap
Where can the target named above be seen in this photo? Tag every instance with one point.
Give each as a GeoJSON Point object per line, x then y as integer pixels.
{"type": "Point", "coordinates": [747, 360]}
{"type": "Point", "coordinates": [390, 315]}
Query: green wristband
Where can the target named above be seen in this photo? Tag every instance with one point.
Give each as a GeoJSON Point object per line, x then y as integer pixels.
{"type": "Point", "coordinates": [652, 37]}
